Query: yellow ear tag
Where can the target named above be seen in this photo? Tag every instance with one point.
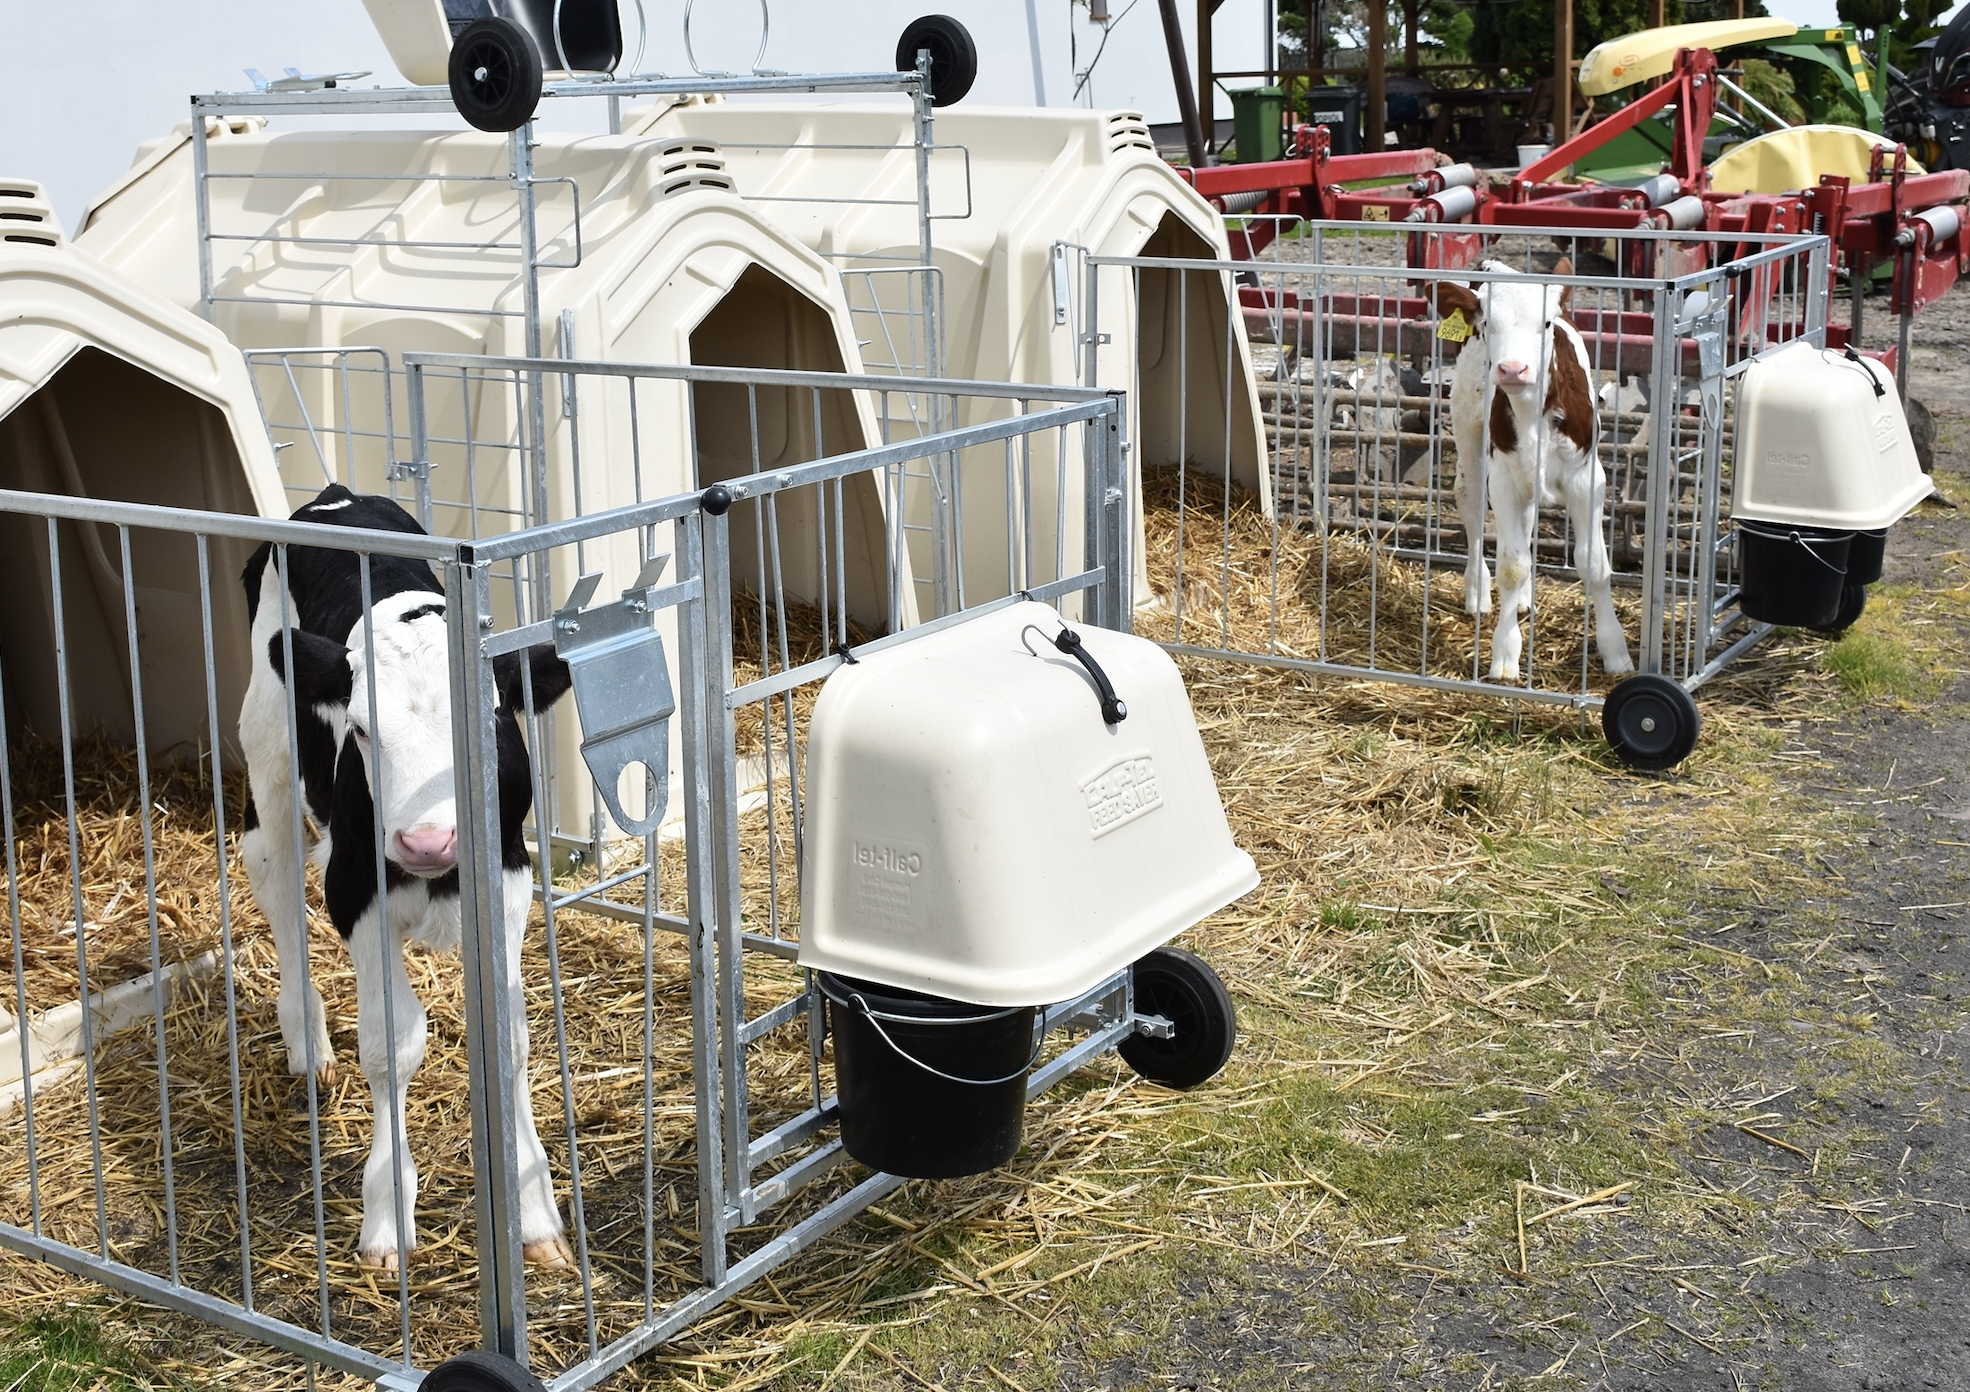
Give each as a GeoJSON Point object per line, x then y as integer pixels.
{"type": "Point", "coordinates": [1454, 329]}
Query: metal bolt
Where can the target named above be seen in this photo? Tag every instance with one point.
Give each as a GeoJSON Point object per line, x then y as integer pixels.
{"type": "Point", "coordinates": [478, 74]}
{"type": "Point", "coordinates": [486, 622]}
{"type": "Point", "coordinates": [1648, 724]}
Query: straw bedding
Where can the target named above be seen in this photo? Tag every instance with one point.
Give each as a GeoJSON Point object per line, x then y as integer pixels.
{"type": "Point", "coordinates": [1316, 808]}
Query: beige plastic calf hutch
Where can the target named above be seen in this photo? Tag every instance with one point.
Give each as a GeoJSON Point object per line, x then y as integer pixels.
{"type": "Point", "coordinates": [1006, 185]}
{"type": "Point", "coordinates": [411, 241]}
{"type": "Point", "coordinates": [108, 392]}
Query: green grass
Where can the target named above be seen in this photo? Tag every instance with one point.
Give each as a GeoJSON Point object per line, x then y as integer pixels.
{"type": "Point", "coordinates": [66, 1352]}
{"type": "Point", "coordinates": [1882, 657]}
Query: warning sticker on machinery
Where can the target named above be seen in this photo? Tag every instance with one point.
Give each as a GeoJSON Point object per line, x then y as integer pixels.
{"type": "Point", "coordinates": [1121, 793]}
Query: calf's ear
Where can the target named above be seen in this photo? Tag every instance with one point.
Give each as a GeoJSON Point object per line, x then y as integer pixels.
{"type": "Point", "coordinates": [322, 676]}
{"type": "Point", "coordinates": [1447, 296]}
{"type": "Point", "coordinates": [551, 678]}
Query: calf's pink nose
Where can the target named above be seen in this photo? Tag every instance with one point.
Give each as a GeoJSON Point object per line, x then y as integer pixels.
{"type": "Point", "coordinates": [427, 847]}
{"type": "Point", "coordinates": [1510, 371]}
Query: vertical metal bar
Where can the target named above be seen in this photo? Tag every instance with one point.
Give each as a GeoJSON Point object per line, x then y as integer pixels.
{"type": "Point", "coordinates": [1232, 325]}
{"type": "Point", "coordinates": [493, 1010]}
{"type": "Point", "coordinates": [1183, 432]}
{"type": "Point", "coordinates": [924, 135]}
{"type": "Point", "coordinates": [297, 830]}
{"type": "Point", "coordinates": [1661, 475]}
{"type": "Point", "coordinates": [420, 441]}
{"type": "Point", "coordinates": [75, 879]}
{"type": "Point", "coordinates": [149, 830]}
{"type": "Point", "coordinates": [714, 877]}
{"type": "Point", "coordinates": [225, 911]}
{"type": "Point", "coordinates": [202, 214]}
{"type": "Point", "coordinates": [391, 950]}
{"type": "Point", "coordinates": [534, 726]}
{"type": "Point", "coordinates": [21, 1016]}
{"type": "Point", "coordinates": [1711, 351]}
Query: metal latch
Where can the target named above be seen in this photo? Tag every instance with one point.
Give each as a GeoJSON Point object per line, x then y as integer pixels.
{"type": "Point", "coordinates": [1060, 282]}
{"type": "Point", "coordinates": [622, 689]}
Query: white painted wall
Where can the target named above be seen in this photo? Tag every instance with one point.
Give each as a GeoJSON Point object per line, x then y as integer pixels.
{"type": "Point", "coordinates": [90, 80]}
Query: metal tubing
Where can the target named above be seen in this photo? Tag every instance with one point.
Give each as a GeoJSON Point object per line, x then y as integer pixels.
{"type": "Point", "coordinates": [492, 1007]}
{"type": "Point", "coordinates": [220, 1314]}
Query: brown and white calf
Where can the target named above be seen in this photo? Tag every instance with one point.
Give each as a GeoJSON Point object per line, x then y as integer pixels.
{"type": "Point", "coordinates": [362, 765]}
{"type": "Point", "coordinates": [1522, 412]}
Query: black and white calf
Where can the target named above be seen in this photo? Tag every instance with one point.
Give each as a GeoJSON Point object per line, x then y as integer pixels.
{"type": "Point", "coordinates": [337, 650]}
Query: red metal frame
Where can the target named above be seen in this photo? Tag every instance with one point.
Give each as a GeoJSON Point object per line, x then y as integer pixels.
{"type": "Point", "coordinates": [1868, 222]}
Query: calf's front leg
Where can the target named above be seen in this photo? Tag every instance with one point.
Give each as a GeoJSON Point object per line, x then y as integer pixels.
{"type": "Point", "coordinates": [390, 1034]}
{"type": "Point", "coordinates": [1586, 493]}
{"type": "Point", "coordinates": [1512, 507]}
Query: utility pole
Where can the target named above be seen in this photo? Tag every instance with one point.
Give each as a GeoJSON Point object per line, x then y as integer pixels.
{"type": "Point", "coordinates": [1378, 87]}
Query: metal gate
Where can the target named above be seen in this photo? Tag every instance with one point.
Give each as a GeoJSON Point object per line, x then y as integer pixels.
{"type": "Point", "coordinates": [1346, 559]}
{"type": "Point", "coordinates": [678, 1052]}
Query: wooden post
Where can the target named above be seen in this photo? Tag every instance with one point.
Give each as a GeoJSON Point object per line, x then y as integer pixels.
{"type": "Point", "coordinates": [1316, 47]}
{"type": "Point", "coordinates": [1562, 71]}
{"type": "Point", "coordinates": [1412, 58]}
{"type": "Point", "coordinates": [1207, 107]}
{"type": "Point", "coordinates": [1655, 19]}
{"type": "Point", "coordinates": [1378, 87]}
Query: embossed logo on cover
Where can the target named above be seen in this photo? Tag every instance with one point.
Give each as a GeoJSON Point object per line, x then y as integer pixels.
{"type": "Point", "coordinates": [1121, 793]}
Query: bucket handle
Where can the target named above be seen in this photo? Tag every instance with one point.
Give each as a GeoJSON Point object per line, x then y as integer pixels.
{"type": "Point", "coordinates": [1806, 544]}
{"type": "Point", "coordinates": [875, 1023]}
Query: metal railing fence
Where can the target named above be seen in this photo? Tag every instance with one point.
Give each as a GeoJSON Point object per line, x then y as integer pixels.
{"type": "Point", "coordinates": [190, 1162]}
{"type": "Point", "coordinates": [1346, 556]}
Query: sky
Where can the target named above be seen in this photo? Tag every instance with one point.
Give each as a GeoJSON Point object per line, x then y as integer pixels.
{"type": "Point", "coordinates": [108, 75]}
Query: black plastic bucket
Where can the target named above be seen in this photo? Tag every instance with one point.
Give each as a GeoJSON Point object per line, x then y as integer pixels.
{"type": "Point", "coordinates": [1791, 575]}
{"type": "Point", "coordinates": [930, 1088]}
{"type": "Point", "coordinates": [1865, 556]}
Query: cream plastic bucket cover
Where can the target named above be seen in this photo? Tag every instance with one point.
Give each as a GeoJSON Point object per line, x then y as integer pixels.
{"type": "Point", "coordinates": [976, 831]}
{"type": "Point", "coordinates": [1823, 442]}
{"type": "Point", "coordinates": [417, 35]}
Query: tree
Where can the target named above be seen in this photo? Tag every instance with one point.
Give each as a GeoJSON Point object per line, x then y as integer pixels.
{"type": "Point", "coordinates": [1869, 16]}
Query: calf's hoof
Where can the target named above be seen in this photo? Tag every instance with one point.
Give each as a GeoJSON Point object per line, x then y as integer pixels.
{"type": "Point", "coordinates": [297, 1067]}
{"type": "Point", "coordinates": [1617, 666]}
{"type": "Point", "coordinates": [381, 1258]}
{"type": "Point", "coordinates": [549, 1251]}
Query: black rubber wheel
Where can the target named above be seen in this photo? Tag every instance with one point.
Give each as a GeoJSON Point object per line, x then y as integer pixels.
{"type": "Point", "coordinates": [1651, 722]}
{"type": "Point", "coordinates": [479, 1371]}
{"type": "Point", "coordinates": [1853, 599]}
{"type": "Point", "coordinates": [495, 75]}
{"type": "Point", "coordinates": [953, 56]}
{"type": "Point", "coordinates": [1184, 990]}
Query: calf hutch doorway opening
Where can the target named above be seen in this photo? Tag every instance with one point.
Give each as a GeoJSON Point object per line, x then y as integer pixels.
{"type": "Point", "coordinates": [1191, 378]}
{"type": "Point", "coordinates": [745, 428]}
{"type": "Point", "coordinates": [104, 429]}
